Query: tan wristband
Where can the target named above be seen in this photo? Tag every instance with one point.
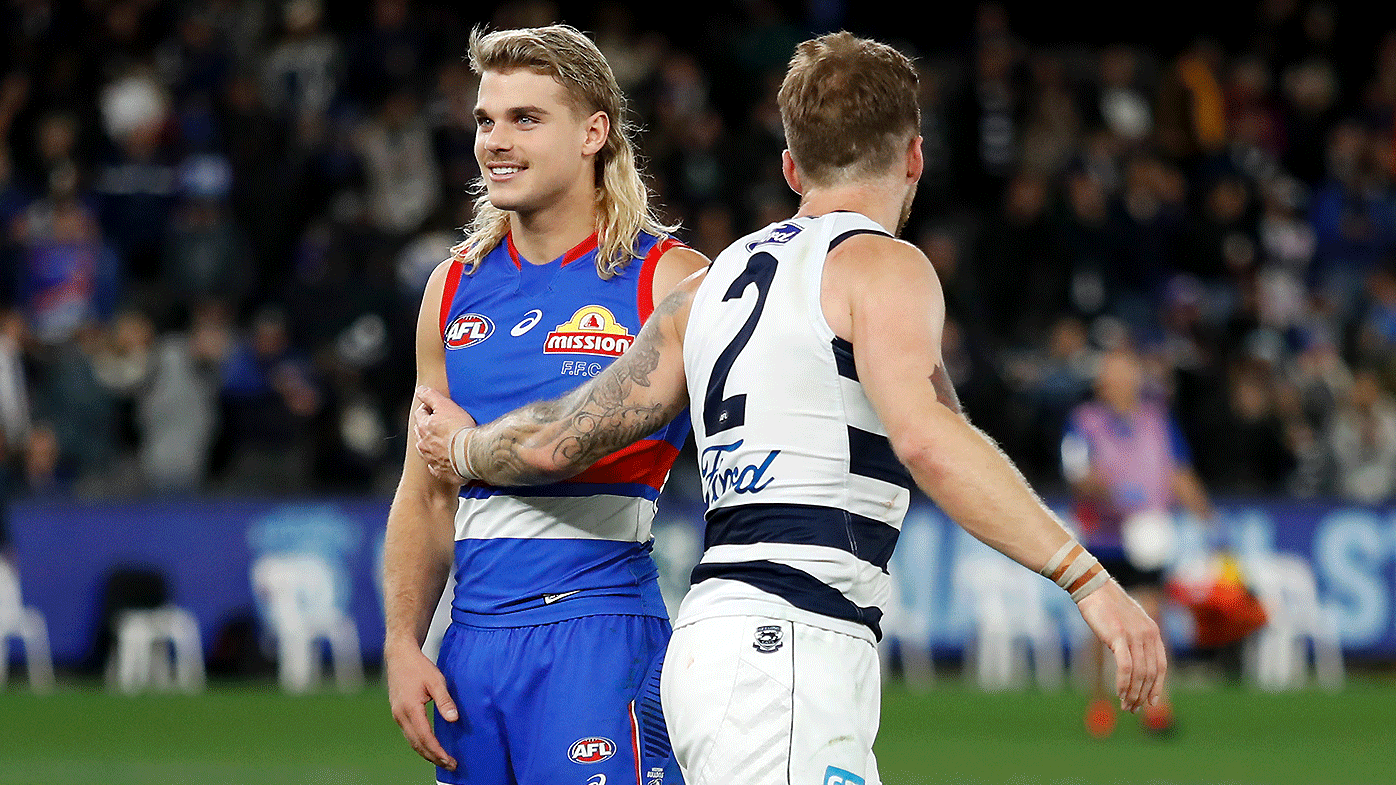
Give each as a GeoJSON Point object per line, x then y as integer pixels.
{"type": "Point", "coordinates": [1074, 569]}
{"type": "Point", "coordinates": [460, 454]}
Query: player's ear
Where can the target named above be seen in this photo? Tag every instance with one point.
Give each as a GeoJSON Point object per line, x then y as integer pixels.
{"type": "Point", "coordinates": [598, 128]}
{"type": "Point", "coordinates": [915, 160]}
{"type": "Point", "coordinates": [792, 175]}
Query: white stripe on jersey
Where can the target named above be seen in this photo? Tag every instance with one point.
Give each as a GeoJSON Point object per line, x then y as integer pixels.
{"type": "Point", "coordinates": [857, 409]}
{"type": "Point", "coordinates": [620, 518]}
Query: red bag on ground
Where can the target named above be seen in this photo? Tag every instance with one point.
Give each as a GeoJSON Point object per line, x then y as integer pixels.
{"type": "Point", "coordinates": [1223, 608]}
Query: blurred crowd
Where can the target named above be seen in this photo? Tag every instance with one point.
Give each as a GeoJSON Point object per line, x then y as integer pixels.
{"type": "Point", "coordinates": [218, 217]}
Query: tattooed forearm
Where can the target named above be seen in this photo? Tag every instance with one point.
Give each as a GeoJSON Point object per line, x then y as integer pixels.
{"type": "Point", "coordinates": [551, 440]}
{"type": "Point", "coordinates": [945, 389]}
{"type": "Point", "coordinates": [610, 415]}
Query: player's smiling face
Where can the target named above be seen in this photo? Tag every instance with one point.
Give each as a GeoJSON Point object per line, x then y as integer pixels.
{"type": "Point", "coordinates": [532, 147]}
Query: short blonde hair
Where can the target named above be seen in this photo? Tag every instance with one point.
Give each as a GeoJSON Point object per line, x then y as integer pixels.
{"type": "Point", "coordinates": [622, 199]}
{"type": "Point", "coordinates": [849, 106]}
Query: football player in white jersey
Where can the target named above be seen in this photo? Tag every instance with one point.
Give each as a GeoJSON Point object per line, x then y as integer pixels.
{"type": "Point", "coordinates": [810, 355]}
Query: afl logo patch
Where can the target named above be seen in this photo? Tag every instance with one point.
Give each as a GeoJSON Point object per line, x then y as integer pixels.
{"type": "Point", "coordinates": [467, 330]}
{"type": "Point", "coordinates": [591, 330]}
{"type": "Point", "coordinates": [591, 750]}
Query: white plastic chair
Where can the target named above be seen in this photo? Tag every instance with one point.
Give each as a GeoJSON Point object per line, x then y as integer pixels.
{"type": "Point", "coordinates": [907, 623]}
{"type": "Point", "coordinates": [28, 625]}
{"type": "Point", "coordinates": [1276, 656]}
{"type": "Point", "coordinates": [298, 597]}
{"type": "Point", "coordinates": [146, 639]}
{"type": "Point", "coordinates": [1011, 618]}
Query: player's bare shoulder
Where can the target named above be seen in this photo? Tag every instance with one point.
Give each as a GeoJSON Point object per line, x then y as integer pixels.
{"type": "Point", "coordinates": [870, 252]}
{"type": "Point", "coordinates": [872, 265]}
{"type": "Point", "coordinates": [436, 282]}
{"type": "Point", "coordinates": [675, 266]}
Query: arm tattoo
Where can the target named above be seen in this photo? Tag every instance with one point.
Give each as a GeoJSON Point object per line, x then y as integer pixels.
{"type": "Point", "coordinates": [611, 411]}
{"type": "Point", "coordinates": [945, 389]}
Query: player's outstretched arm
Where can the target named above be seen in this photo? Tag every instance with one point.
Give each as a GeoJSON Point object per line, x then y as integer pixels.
{"type": "Point", "coordinates": [552, 440]}
{"type": "Point", "coordinates": [886, 296]}
{"type": "Point", "coordinates": [417, 555]}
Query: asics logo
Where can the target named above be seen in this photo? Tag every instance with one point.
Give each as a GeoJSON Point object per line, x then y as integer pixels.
{"type": "Point", "coordinates": [531, 318]}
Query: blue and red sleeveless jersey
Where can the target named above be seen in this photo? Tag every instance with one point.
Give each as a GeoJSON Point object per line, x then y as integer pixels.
{"type": "Point", "coordinates": [514, 333]}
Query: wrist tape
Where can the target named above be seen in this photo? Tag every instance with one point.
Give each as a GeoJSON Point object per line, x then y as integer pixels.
{"type": "Point", "coordinates": [1074, 568]}
{"type": "Point", "coordinates": [460, 454]}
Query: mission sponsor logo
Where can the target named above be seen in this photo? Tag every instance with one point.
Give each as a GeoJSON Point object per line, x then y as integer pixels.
{"type": "Point", "coordinates": [468, 329]}
{"type": "Point", "coordinates": [591, 330]}
{"type": "Point", "coordinates": [593, 749]}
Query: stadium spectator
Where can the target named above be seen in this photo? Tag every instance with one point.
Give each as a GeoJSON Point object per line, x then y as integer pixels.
{"type": "Point", "coordinates": [403, 185]}
{"type": "Point", "coordinates": [137, 181]}
{"type": "Point", "coordinates": [67, 274]}
{"type": "Point", "coordinates": [269, 396]}
{"type": "Point", "coordinates": [302, 71]}
{"type": "Point", "coordinates": [1362, 435]}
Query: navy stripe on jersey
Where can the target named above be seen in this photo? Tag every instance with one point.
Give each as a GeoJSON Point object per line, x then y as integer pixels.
{"type": "Point", "coordinates": [854, 233]}
{"type": "Point", "coordinates": [800, 524]}
{"type": "Point", "coordinates": [796, 587]}
{"type": "Point", "coordinates": [563, 489]}
{"type": "Point", "coordinates": [871, 455]}
{"type": "Point", "coordinates": [843, 359]}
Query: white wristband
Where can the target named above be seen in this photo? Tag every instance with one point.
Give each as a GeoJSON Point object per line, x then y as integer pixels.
{"type": "Point", "coordinates": [460, 454]}
{"type": "Point", "coordinates": [1074, 569]}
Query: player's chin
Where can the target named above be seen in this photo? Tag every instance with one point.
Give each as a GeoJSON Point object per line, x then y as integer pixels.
{"type": "Point", "coordinates": [505, 197]}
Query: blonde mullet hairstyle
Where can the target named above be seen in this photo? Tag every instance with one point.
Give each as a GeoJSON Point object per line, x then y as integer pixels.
{"type": "Point", "coordinates": [622, 199]}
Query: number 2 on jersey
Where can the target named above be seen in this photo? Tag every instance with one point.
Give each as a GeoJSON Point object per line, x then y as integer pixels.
{"type": "Point", "coordinates": [719, 413]}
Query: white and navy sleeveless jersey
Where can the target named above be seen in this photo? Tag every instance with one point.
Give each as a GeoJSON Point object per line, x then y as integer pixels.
{"type": "Point", "coordinates": [805, 496]}
{"type": "Point", "coordinates": [515, 333]}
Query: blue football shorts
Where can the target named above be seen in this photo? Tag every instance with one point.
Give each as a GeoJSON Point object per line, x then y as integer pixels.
{"type": "Point", "coordinates": [574, 702]}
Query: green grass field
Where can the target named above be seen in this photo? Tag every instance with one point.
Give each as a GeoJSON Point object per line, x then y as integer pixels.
{"type": "Point", "coordinates": [248, 734]}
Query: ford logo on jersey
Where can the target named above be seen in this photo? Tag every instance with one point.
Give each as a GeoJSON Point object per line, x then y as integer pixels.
{"type": "Point", "coordinates": [468, 329]}
{"type": "Point", "coordinates": [719, 477]}
{"type": "Point", "coordinates": [591, 750]}
{"type": "Point", "coordinates": [781, 234]}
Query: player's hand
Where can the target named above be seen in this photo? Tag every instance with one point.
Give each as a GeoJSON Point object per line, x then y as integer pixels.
{"type": "Point", "coordinates": [413, 682]}
{"type": "Point", "coordinates": [1123, 626]}
{"type": "Point", "coordinates": [435, 419]}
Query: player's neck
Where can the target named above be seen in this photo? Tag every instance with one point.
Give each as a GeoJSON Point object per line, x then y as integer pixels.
{"type": "Point", "coordinates": [882, 202]}
{"type": "Point", "coordinates": [545, 234]}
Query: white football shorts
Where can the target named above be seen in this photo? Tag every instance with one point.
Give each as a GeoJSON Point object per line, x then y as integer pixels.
{"type": "Point", "coordinates": [763, 701]}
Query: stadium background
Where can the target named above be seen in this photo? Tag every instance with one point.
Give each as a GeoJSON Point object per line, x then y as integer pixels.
{"type": "Point", "coordinates": [218, 217]}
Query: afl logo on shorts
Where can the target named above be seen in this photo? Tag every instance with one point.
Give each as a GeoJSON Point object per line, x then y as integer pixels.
{"type": "Point", "coordinates": [467, 330]}
{"type": "Point", "coordinates": [591, 750]}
